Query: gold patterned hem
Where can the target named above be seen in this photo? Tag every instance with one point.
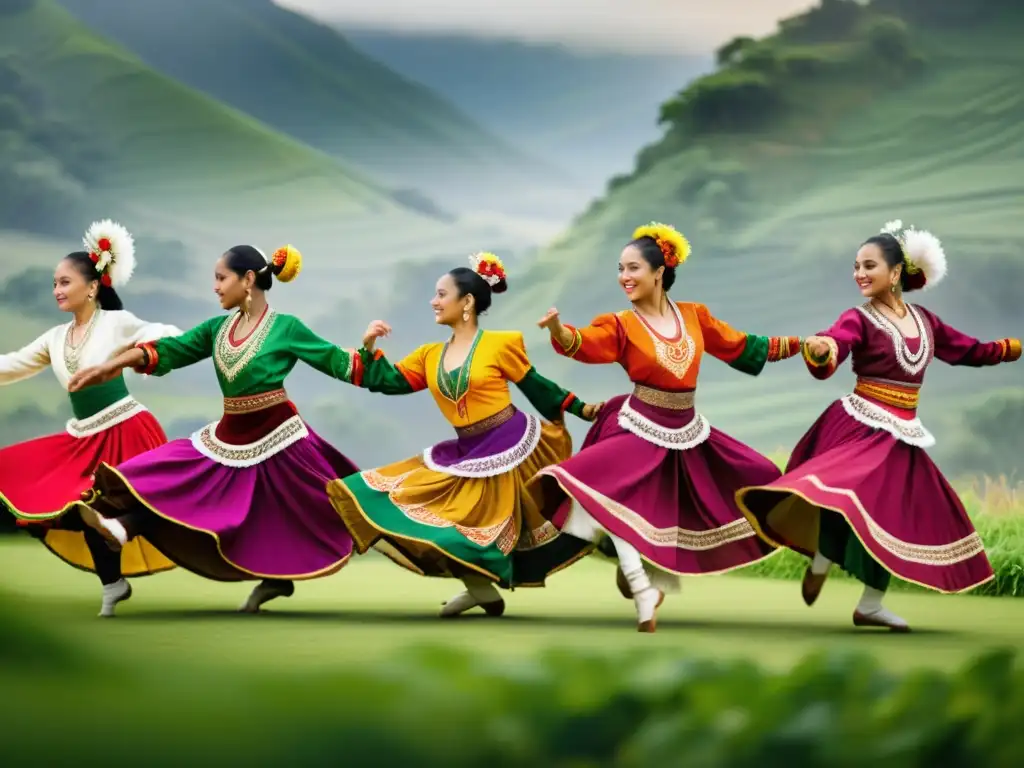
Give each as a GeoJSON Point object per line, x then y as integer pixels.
{"type": "Point", "coordinates": [286, 434]}
{"type": "Point", "coordinates": [660, 398]}
{"type": "Point", "coordinates": [485, 425]}
{"type": "Point", "coordinates": [502, 534]}
{"type": "Point", "coordinates": [126, 489]}
{"type": "Point", "coordinates": [537, 537]}
{"type": "Point", "coordinates": [673, 536]}
{"type": "Point", "coordinates": [892, 393]}
{"type": "Point", "coordinates": [254, 403]}
{"type": "Point", "coordinates": [677, 439]}
{"type": "Point", "coordinates": [909, 431]}
{"type": "Point", "coordinates": [921, 554]}
{"type": "Point", "coordinates": [110, 416]}
{"type": "Point", "coordinates": [497, 464]}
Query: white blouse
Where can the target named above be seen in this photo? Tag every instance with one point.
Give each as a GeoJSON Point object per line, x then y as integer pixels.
{"type": "Point", "coordinates": [114, 332]}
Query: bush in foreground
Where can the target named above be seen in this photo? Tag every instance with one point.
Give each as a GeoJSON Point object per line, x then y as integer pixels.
{"type": "Point", "coordinates": [439, 708]}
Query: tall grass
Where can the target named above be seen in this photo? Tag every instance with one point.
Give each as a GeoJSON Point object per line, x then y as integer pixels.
{"type": "Point", "coordinates": [995, 506]}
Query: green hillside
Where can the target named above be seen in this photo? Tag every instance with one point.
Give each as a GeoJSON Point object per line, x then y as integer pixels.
{"type": "Point", "coordinates": [148, 139]}
{"type": "Point", "coordinates": [780, 163]}
{"type": "Point", "coordinates": [306, 80]}
{"type": "Point", "coordinates": [88, 131]}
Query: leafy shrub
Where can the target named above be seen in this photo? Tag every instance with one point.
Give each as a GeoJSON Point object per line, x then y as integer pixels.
{"type": "Point", "coordinates": [435, 707]}
{"type": "Point", "coordinates": [733, 51]}
{"type": "Point", "coordinates": [729, 100]}
{"type": "Point", "coordinates": [830, 20]}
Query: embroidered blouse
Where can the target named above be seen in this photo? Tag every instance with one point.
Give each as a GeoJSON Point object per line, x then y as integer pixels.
{"type": "Point", "coordinates": [258, 363]}
{"type": "Point", "coordinates": [477, 389]}
{"type": "Point", "coordinates": [672, 364]}
{"type": "Point", "coordinates": [110, 332]}
{"type": "Point", "coordinates": [890, 368]}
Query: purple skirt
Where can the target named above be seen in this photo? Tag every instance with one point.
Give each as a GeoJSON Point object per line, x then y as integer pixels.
{"type": "Point", "coordinates": [894, 498]}
{"type": "Point", "coordinates": [269, 520]}
{"type": "Point", "coordinates": [675, 505]}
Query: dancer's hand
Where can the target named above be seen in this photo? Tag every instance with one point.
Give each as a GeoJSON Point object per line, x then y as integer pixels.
{"type": "Point", "coordinates": [552, 322]}
{"type": "Point", "coordinates": [817, 347]}
{"type": "Point", "coordinates": [89, 377]}
{"type": "Point", "coordinates": [378, 329]}
{"type": "Point", "coordinates": [590, 410]}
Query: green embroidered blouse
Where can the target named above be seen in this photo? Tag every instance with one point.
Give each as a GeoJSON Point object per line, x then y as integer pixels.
{"type": "Point", "coordinates": [259, 363]}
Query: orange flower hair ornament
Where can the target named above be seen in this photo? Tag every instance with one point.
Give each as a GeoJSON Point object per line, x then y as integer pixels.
{"type": "Point", "coordinates": [489, 267]}
{"type": "Point", "coordinates": [923, 255]}
{"type": "Point", "coordinates": [112, 250]}
{"type": "Point", "coordinates": [674, 247]}
{"type": "Point", "coordinates": [286, 263]}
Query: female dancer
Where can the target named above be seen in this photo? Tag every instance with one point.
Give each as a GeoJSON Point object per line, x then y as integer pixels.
{"type": "Point", "coordinates": [41, 476]}
{"type": "Point", "coordinates": [859, 490]}
{"type": "Point", "coordinates": [460, 509]}
{"type": "Point", "coordinates": [653, 475]}
{"type": "Point", "coordinates": [244, 498]}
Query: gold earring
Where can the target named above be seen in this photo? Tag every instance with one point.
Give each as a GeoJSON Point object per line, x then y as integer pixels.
{"type": "Point", "coordinates": [893, 287]}
{"type": "Point", "coordinates": [465, 315]}
{"type": "Point", "coordinates": [247, 304]}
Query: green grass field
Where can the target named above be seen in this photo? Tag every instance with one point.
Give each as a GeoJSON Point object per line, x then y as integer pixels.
{"type": "Point", "coordinates": [176, 618]}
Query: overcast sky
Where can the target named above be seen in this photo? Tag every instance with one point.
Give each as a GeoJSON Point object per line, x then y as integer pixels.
{"type": "Point", "coordinates": [656, 26]}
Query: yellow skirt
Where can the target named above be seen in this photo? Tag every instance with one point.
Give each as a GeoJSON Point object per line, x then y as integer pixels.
{"type": "Point", "coordinates": [438, 523]}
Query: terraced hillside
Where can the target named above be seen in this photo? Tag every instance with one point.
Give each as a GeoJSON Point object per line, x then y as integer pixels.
{"type": "Point", "coordinates": [87, 130]}
{"type": "Point", "coordinates": [776, 198]}
{"type": "Point", "coordinates": [306, 80]}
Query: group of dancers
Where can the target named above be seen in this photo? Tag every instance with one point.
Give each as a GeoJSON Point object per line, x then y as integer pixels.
{"type": "Point", "coordinates": [258, 495]}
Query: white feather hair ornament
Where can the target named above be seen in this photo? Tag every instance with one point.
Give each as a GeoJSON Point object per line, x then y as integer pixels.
{"type": "Point", "coordinates": [112, 249]}
{"type": "Point", "coordinates": [923, 255]}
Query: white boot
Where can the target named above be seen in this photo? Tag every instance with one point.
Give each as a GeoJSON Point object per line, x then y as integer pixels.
{"type": "Point", "coordinates": [113, 594]}
{"type": "Point", "coordinates": [479, 592]}
{"type": "Point", "coordinates": [871, 613]}
{"type": "Point", "coordinates": [110, 529]}
{"type": "Point", "coordinates": [646, 599]}
{"type": "Point", "coordinates": [264, 592]}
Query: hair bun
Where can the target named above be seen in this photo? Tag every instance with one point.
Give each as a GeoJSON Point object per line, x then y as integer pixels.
{"type": "Point", "coordinates": [286, 263]}
{"type": "Point", "coordinates": [490, 268]}
{"type": "Point", "coordinates": [674, 247]}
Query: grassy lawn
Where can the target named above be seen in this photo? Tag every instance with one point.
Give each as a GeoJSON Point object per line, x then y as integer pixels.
{"type": "Point", "coordinates": [373, 611]}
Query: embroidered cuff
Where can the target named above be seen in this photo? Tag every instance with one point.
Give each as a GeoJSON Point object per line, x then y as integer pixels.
{"type": "Point", "coordinates": [824, 367]}
{"type": "Point", "coordinates": [574, 344]}
{"type": "Point", "coordinates": [1011, 350]}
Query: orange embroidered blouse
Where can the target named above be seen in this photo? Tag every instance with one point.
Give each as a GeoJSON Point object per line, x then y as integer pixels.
{"type": "Point", "coordinates": [672, 364]}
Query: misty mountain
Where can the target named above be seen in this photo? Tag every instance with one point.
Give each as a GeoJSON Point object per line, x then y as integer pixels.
{"type": "Point", "coordinates": [306, 80]}
{"type": "Point", "coordinates": [586, 111]}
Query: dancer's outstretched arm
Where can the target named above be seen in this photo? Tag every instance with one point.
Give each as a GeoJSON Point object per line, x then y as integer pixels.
{"type": "Point", "coordinates": [957, 348]}
{"type": "Point", "coordinates": [603, 341]}
{"type": "Point", "coordinates": [550, 400]}
{"type": "Point", "coordinates": [746, 352]}
{"type": "Point", "coordinates": [25, 362]}
{"type": "Point", "coordinates": [825, 352]}
{"type": "Point", "coordinates": [155, 358]}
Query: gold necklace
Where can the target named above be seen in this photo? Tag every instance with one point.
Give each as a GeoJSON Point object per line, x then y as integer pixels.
{"type": "Point", "coordinates": [72, 351]}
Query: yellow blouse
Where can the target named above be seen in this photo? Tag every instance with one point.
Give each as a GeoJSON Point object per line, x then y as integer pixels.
{"type": "Point", "coordinates": [494, 359]}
